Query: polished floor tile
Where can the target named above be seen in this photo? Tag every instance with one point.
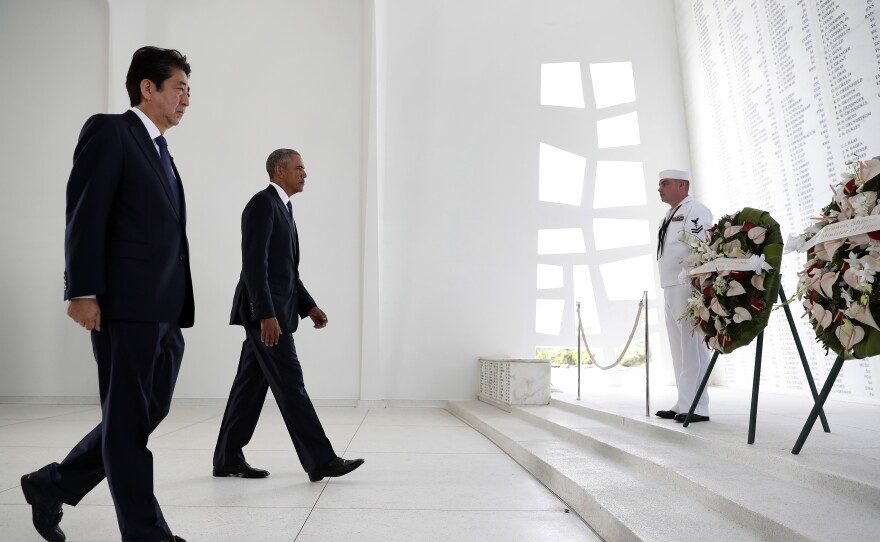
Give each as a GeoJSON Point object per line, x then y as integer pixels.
{"type": "Point", "coordinates": [428, 476]}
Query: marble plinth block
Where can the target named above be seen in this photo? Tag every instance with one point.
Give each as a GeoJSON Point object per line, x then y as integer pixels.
{"type": "Point", "coordinates": [508, 381]}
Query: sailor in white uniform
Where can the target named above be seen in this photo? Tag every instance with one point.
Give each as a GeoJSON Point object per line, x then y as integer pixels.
{"type": "Point", "coordinates": [686, 218]}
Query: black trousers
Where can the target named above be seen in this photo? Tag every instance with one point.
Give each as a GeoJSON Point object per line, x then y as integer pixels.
{"type": "Point", "coordinates": [138, 363]}
{"type": "Point", "coordinates": [262, 367]}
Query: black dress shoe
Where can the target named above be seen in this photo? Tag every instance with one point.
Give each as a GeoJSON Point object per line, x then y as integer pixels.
{"type": "Point", "coordinates": [694, 418]}
{"type": "Point", "coordinates": [242, 470]}
{"type": "Point", "coordinates": [337, 467]}
{"type": "Point", "coordinates": [666, 414]}
{"type": "Point", "coordinates": [172, 538]}
{"type": "Point", "coordinates": [45, 509]}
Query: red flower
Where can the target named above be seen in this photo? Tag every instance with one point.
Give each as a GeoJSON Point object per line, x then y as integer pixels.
{"type": "Point", "coordinates": [707, 329]}
{"type": "Point", "coordinates": [844, 267]}
{"type": "Point", "coordinates": [812, 295]}
{"type": "Point", "coordinates": [757, 305]}
{"type": "Point", "coordinates": [747, 226]}
{"type": "Point", "coordinates": [724, 340]}
{"type": "Point", "coordinates": [737, 275]}
{"type": "Point", "coordinates": [838, 317]}
{"type": "Point", "coordinates": [849, 187]}
{"type": "Point", "coordinates": [707, 291]}
{"type": "Point", "coordinates": [875, 235]}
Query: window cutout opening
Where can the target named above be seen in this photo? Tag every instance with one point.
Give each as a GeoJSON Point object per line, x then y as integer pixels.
{"type": "Point", "coordinates": [582, 286]}
{"type": "Point", "coordinates": [560, 175]}
{"type": "Point", "coordinates": [548, 316]}
{"type": "Point", "coordinates": [561, 241]}
{"type": "Point", "coordinates": [619, 184]}
{"type": "Point", "coordinates": [549, 277]}
{"type": "Point", "coordinates": [561, 84]}
{"type": "Point", "coordinates": [612, 83]}
{"type": "Point", "coordinates": [611, 233]}
{"type": "Point", "coordinates": [619, 131]}
{"type": "Point", "coordinates": [626, 279]}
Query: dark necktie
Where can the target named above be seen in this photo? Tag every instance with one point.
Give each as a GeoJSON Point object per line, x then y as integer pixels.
{"type": "Point", "coordinates": [290, 210]}
{"type": "Point", "coordinates": [661, 234]}
{"type": "Point", "coordinates": [169, 171]}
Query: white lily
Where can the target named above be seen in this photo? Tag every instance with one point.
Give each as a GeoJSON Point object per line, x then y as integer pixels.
{"type": "Point", "coordinates": [827, 281]}
{"type": "Point", "coordinates": [741, 314]}
{"type": "Point", "coordinates": [734, 288]}
{"type": "Point", "coordinates": [820, 315]}
{"type": "Point", "coordinates": [849, 334]}
{"type": "Point", "coordinates": [703, 312]}
{"type": "Point", "coordinates": [730, 231]}
{"type": "Point", "coordinates": [757, 234]}
{"type": "Point", "coordinates": [831, 247]}
{"type": "Point", "coordinates": [868, 169]}
{"type": "Point", "coordinates": [758, 282]}
{"type": "Point", "coordinates": [713, 343]}
{"type": "Point", "coordinates": [851, 278]}
{"type": "Point", "coordinates": [716, 307]}
{"type": "Point", "coordinates": [859, 240]}
{"type": "Point", "coordinates": [861, 313]}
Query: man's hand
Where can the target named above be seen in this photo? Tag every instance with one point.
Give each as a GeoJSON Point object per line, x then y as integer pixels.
{"type": "Point", "coordinates": [85, 312]}
{"type": "Point", "coordinates": [270, 331]}
{"type": "Point", "coordinates": [318, 317]}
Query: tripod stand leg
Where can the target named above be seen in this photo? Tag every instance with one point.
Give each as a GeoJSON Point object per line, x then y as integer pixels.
{"type": "Point", "coordinates": [756, 382]}
{"type": "Point", "coordinates": [800, 349]}
{"type": "Point", "coordinates": [702, 387]}
{"type": "Point", "coordinates": [820, 402]}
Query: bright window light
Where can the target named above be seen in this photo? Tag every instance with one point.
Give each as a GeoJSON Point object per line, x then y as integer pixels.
{"type": "Point", "coordinates": [619, 131]}
{"type": "Point", "coordinates": [548, 315]}
{"type": "Point", "coordinates": [619, 184]}
{"type": "Point", "coordinates": [583, 292]}
{"type": "Point", "coordinates": [627, 279]}
{"type": "Point", "coordinates": [561, 241]}
{"type": "Point", "coordinates": [549, 277]}
{"type": "Point", "coordinates": [612, 83]}
{"type": "Point", "coordinates": [620, 232]}
{"type": "Point", "coordinates": [561, 84]}
{"type": "Point", "coordinates": [560, 175]}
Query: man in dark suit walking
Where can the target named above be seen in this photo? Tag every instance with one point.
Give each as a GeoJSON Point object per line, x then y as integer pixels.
{"type": "Point", "coordinates": [127, 279]}
{"type": "Point", "coordinates": [269, 300]}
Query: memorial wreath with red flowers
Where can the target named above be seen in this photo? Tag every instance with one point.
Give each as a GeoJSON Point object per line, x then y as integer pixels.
{"type": "Point", "coordinates": [837, 284]}
{"type": "Point", "coordinates": [734, 279]}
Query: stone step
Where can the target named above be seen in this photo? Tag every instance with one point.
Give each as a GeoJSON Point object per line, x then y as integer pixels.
{"type": "Point", "coordinates": [632, 480]}
{"type": "Point", "coordinates": [852, 478]}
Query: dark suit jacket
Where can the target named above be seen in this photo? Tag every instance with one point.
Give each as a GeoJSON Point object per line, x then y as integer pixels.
{"type": "Point", "coordinates": [269, 285]}
{"type": "Point", "coordinates": [125, 241]}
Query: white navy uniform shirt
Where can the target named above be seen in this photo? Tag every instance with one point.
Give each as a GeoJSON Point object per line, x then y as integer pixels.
{"type": "Point", "coordinates": [691, 218]}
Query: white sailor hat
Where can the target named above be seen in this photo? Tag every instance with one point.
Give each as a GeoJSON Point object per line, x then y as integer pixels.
{"type": "Point", "coordinates": [678, 174]}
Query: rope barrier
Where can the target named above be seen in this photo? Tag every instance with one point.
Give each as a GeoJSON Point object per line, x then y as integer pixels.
{"type": "Point", "coordinates": [628, 340]}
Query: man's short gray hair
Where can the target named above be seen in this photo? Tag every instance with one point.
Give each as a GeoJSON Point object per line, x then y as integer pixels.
{"type": "Point", "coordinates": [280, 157]}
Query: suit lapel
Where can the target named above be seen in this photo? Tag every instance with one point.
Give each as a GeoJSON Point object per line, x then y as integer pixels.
{"type": "Point", "coordinates": [147, 146]}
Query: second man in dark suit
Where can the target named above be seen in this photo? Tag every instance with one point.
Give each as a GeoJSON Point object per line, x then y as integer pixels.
{"type": "Point", "coordinates": [127, 280]}
{"type": "Point", "coordinates": [269, 300]}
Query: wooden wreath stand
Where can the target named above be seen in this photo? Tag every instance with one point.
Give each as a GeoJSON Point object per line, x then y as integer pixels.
{"type": "Point", "coordinates": [819, 399]}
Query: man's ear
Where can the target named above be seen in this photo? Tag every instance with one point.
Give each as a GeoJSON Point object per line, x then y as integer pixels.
{"type": "Point", "coordinates": [147, 90]}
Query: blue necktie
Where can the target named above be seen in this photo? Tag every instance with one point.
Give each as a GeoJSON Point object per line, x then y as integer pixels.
{"type": "Point", "coordinates": [290, 208]}
{"type": "Point", "coordinates": [169, 171]}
